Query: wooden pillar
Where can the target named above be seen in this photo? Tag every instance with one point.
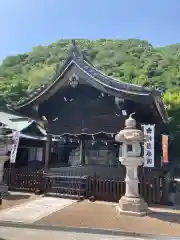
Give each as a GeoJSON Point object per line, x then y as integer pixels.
{"type": "Point", "coordinates": [47, 151]}
{"type": "Point", "coordinates": [82, 152]}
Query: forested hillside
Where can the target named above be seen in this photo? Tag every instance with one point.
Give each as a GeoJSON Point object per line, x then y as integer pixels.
{"type": "Point", "coordinates": [132, 60]}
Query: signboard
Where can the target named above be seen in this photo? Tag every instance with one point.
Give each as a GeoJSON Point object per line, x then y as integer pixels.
{"type": "Point", "coordinates": [16, 137]}
{"type": "Point", "coordinates": [165, 148]}
{"type": "Point", "coordinates": [149, 146]}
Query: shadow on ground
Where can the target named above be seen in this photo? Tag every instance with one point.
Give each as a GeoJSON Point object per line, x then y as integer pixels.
{"type": "Point", "coordinates": [18, 196]}
{"type": "Point", "coordinates": [171, 216]}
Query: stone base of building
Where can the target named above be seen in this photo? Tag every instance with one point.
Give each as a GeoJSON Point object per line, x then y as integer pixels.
{"type": "Point", "coordinates": [132, 206]}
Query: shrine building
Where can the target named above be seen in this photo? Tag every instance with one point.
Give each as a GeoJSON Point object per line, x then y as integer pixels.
{"type": "Point", "coordinates": [84, 109]}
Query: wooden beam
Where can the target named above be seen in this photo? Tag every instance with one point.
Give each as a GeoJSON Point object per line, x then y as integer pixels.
{"type": "Point", "coordinates": [82, 152]}
{"type": "Point", "coordinates": [47, 151]}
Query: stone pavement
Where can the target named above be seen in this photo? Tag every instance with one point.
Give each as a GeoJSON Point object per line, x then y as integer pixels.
{"type": "Point", "coordinates": [9, 233]}
{"type": "Point", "coordinates": [13, 233]}
{"type": "Point", "coordinates": [34, 210]}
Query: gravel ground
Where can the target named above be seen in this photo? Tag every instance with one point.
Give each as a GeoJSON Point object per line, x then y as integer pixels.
{"type": "Point", "coordinates": [104, 216]}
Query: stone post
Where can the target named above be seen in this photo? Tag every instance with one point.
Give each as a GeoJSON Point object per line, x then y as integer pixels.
{"type": "Point", "coordinates": [131, 203]}
{"type": "Point", "coordinates": [3, 186]}
{"type": "Point", "coordinates": [3, 159]}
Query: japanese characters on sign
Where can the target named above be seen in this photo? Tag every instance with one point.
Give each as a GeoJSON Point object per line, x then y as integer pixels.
{"type": "Point", "coordinates": [149, 146]}
{"type": "Point", "coordinates": [16, 136]}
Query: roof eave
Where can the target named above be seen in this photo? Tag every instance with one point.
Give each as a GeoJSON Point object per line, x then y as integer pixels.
{"type": "Point", "coordinates": [75, 57]}
{"type": "Point", "coordinates": [65, 68]}
{"type": "Point", "coordinates": [161, 109]}
{"type": "Point", "coordinates": [57, 75]}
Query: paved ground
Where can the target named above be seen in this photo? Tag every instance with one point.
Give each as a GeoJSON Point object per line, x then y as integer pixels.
{"type": "Point", "coordinates": [104, 216]}
{"type": "Point", "coordinates": [16, 198]}
{"type": "Point", "coordinates": [69, 213]}
{"type": "Point", "coordinates": [8, 233]}
{"type": "Point", "coordinates": [34, 210]}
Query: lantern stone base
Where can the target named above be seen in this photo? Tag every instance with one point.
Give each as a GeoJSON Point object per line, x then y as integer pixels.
{"type": "Point", "coordinates": [133, 206]}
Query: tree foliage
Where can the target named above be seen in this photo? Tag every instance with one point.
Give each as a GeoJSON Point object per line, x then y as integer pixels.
{"type": "Point", "coordinates": [132, 60]}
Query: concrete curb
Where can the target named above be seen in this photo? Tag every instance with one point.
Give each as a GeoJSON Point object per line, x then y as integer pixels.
{"type": "Point", "coordinates": [83, 230]}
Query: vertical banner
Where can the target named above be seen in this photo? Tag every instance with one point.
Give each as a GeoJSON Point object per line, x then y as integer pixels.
{"type": "Point", "coordinates": [16, 137]}
{"type": "Point", "coordinates": [165, 148]}
{"type": "Point", "coordinates": [149, 145]}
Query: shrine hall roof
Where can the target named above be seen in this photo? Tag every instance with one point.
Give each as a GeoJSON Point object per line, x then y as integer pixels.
{"type": "Point", "coordinates": [95, 77]}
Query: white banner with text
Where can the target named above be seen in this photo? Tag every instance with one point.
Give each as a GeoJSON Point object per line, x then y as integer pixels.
{"type": "Point", "coordinates": [149, 145]}
{"type": "Point", "coordinates": [16, 137]}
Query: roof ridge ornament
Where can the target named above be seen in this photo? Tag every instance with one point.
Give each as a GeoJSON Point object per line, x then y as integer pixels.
{"type": "Point", "coordinates": [73, 42]}
{"type": "Point", "coordinates": [75, 50]}
{"type": "Point", "coordinates": [73, 80]}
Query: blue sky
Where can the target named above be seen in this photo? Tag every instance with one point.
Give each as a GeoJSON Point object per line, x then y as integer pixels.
{"type": "Point", "coordinates": [26, 23]}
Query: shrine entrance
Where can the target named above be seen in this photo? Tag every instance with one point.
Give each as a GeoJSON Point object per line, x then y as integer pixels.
{"type": "Point", "coordinates": [86, 150]}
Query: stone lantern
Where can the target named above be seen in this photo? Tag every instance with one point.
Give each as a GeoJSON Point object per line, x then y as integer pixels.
{"type": "Point", "coordinates": [3, 159]}
{"type": "Point", "coordinates": [130, 137]}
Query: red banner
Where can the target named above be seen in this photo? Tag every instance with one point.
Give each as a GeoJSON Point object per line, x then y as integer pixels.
{"type": "Point", "coordinates": [165, 148]}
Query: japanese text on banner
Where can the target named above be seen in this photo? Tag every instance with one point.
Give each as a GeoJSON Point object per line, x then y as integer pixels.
{"type": "Point", "coordinates": [149, 146]}
{"type": "Point", "coordinates": [16, 136]}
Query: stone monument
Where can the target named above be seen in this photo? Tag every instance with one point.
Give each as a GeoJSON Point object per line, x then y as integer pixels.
{"type": "Point", "coordinates": [3, 159]}
{"type": "Point", "coordinates": [130, 137]}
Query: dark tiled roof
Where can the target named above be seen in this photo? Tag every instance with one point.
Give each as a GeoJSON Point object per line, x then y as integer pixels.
{"type": "Point", "coordinates": [114, 83]}
{"type": "Point", "coordinates": [80, 60]}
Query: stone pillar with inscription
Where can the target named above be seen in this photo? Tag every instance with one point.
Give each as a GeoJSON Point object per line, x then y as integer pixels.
{"type": "Point", "coordinates": [130, 137]}
{"type": "Point", "coordinates": [3, 159]}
